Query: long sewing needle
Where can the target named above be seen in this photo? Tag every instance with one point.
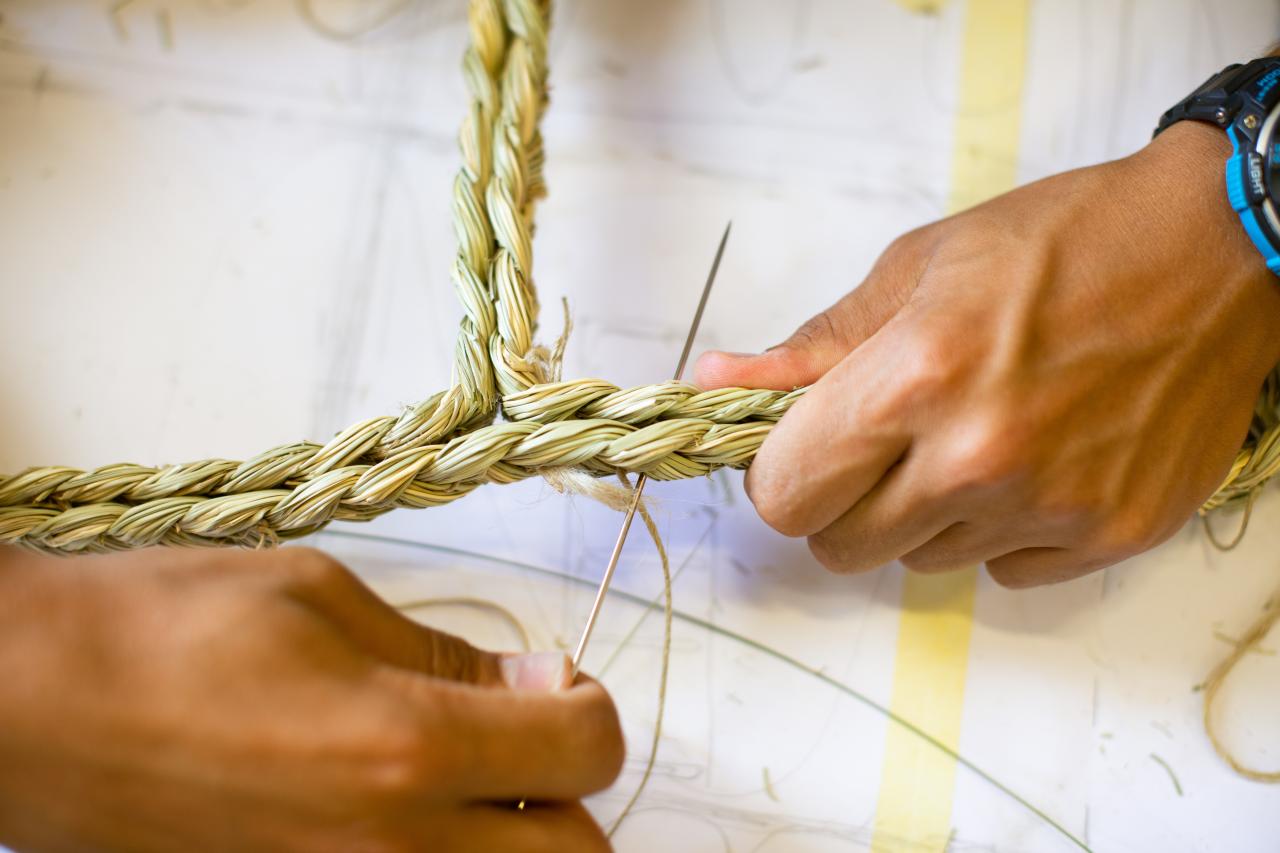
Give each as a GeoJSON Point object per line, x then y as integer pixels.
{"type": "Point", "coordinates": [643, 478]}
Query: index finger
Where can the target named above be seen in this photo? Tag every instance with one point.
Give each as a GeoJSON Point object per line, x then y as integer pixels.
{"type": "Point", "coordinates": [835, 444]}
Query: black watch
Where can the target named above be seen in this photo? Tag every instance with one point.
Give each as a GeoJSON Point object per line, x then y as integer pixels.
{"type": "Point", "coordinates": [1244, 100]}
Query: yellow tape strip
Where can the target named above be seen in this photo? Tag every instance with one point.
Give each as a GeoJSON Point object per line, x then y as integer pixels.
{"type": "Point", "coordinates": [917, 783]}
{"type": "Point", "coordinates": [923, 7]}
{"type": "Point", "coordinates": [989, 111]}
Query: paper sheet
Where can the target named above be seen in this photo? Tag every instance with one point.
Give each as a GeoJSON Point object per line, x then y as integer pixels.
{"type": "Point", "coordinates": [220, 230]}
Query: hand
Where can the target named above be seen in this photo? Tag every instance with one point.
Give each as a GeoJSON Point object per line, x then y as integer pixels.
{"type": "Point", "coordinates": [170, 700]}
{"type": "Point", "coordinates": [1050, 383]}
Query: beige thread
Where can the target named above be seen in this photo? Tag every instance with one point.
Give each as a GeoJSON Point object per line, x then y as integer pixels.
{"type": "Point", "coordinates": [667, 612]}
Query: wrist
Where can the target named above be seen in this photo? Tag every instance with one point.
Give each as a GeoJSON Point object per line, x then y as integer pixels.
{"type": "Point", "coordinates": [1180, 176]}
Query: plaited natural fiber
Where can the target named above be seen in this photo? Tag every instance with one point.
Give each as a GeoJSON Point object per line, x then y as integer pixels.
{"type": "Point", "coordinates": [443, 447]}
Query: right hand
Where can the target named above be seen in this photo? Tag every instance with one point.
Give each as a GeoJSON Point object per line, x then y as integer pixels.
{"type": "Point", "coordinates": [179, 700]}
{"type": "Point", "coordinates": [1049, 383]}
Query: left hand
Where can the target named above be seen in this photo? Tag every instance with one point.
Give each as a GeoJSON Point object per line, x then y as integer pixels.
{"type": "Point", "coordinates": [1048, 383]}
{"type": "Point", "coordinates": [269, 701]}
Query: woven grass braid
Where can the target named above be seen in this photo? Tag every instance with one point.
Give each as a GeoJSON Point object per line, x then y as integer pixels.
{"type": "Point", "coordinates": [451, 442]}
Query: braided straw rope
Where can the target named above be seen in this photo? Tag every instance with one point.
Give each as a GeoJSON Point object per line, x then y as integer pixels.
{"type": "Point", "coordinates": [448, 444]}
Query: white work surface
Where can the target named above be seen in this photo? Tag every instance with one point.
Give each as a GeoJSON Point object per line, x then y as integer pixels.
{"type": "Point", "coordinates": [221, 231]}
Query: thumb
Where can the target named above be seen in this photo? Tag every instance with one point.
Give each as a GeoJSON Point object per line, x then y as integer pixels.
{"type": "Point", "coordinates": [404, 643]}
{"type": "Point", "coordinates": [392, 637]}
{"type": "Point", "coordinates": [376, 628]}
{"type": "Point", "coordinates": [824, 339]}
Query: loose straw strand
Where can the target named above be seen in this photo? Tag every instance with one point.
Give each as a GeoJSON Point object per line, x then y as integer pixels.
{"type": "Point", "coordinates": [1256, 633]}
{"type": "Point", "coordinates": [1240, 531]}
{"type": "Point", "coordinates": [1247, 643]}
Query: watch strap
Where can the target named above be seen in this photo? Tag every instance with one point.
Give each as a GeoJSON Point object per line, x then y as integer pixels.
{"type": "Point", "coordinates": [1220, 98]}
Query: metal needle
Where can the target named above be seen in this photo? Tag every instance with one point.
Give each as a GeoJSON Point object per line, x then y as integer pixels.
{"type": "Point", "coordinates": [642, 479]}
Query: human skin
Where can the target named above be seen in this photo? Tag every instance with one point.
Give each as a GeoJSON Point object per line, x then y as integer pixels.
{"type": "Point", "coordinates": [268, 701]}
{"type": "Point", "coordinates": [1048, 383]}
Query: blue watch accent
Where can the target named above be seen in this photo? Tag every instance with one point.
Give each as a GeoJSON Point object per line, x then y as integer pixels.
{"type": "Point", "coordinates": [1239, 198]}
{"type": "Point", "coordinates": [1235, 186]}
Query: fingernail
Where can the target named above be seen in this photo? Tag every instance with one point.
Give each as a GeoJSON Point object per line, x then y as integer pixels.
{"type": "Point", "coordinates": [736, 354]}
{"type": "Point", "coordinates": [537, 671]}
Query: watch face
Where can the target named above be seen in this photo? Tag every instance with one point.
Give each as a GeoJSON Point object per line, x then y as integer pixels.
{"type": "Point", "coordinates": [1269, 148]}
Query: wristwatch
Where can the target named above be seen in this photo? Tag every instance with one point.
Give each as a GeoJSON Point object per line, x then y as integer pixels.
{"type": "Point", "coordinates": [1244, 100]}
